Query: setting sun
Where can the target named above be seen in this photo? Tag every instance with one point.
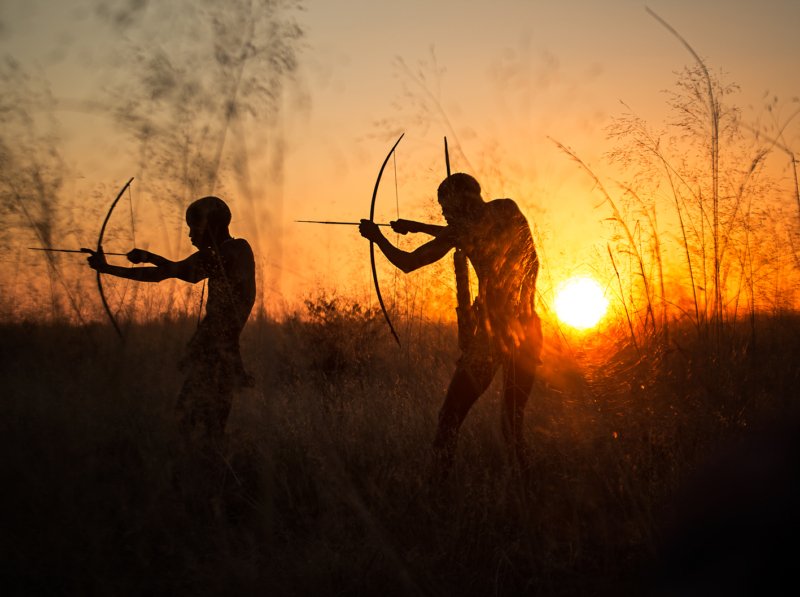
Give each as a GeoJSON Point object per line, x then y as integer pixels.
{"type": "Point", "coordinates": [580, 303]}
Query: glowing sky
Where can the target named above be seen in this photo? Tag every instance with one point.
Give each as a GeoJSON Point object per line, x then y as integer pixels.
{"type": "Point", "coordinates": [513, 74]}
{"type": "Point", "coordinates": [516, 73]}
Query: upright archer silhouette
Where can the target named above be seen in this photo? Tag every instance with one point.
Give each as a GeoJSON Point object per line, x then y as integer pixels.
{"type": "Point", "coordinates": [501, 329]}
{"type": "Point", "coordinates": [213, 362]}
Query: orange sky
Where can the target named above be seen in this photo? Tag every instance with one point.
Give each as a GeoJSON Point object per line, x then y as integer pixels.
{"type": "Point", "coordinates": [513, 73]}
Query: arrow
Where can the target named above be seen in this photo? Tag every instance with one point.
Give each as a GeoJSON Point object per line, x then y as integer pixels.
{"type": "Point", "coordinates": [337, 223]}
{"type": "Point", "coordinates": [446, 156]}
{"type": "Point", "coordinates": [84, 250]}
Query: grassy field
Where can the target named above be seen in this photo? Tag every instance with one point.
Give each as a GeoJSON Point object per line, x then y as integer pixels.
{"type": "Point", "coordinates": [641, 462]}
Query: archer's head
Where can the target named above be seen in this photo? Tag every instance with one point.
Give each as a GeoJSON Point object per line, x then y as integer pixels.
{"type": "Point", "coordinates": [208, 219]}
{"type": "Point", "coordinates": [460, 197]}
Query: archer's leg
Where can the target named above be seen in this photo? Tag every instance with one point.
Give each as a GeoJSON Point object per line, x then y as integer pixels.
{"type": "Point", "coordinates": [465, 388]}
{"type": "Point", "coordinates": [517, 384]}
{"type": "Point", "coordinates": [204, 405]}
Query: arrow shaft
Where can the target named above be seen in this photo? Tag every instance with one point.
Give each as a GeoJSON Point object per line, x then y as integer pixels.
{"type": "Point", "coordinates": [335, 223]}
{"type": "Point", "coordinates": [70, 250]}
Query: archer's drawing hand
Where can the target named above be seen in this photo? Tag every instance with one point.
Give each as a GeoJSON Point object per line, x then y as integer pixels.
{"type": "Point", "coordinates": [97, 261]}
{"type": "Point", "coordinates": [404, 226]}
{"type": "Point", "coordinates": [139, 256]}
{"type": "Point", "coordinates": [370, 230]}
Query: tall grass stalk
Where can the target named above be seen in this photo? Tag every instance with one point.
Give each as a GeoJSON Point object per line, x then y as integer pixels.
{"type": "Point", "coordinates": [622, 298]}
{"type": "Point", "coordinates": [714, 155]}
{"type": "Point", "coordinates": [632, 248]}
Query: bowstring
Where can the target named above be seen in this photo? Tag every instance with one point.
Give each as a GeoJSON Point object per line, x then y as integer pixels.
{"type": "Point", "coordinates": [133, 220]}
{"type": "Point", "coordinates": [133, 238]}
{"type": "Point", "coordinates": [202, 297]}
{"type": "Point", "coordinates": [397, 235]}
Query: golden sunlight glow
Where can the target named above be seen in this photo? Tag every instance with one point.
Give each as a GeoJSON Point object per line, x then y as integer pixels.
{"type": "Point", "coordinates": [580, 302]}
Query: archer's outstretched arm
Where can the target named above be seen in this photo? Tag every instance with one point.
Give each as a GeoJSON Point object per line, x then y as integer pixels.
{"type": "Point", "coordinates": [423, 255]}
{"type": "Point", "coordinates": [406, 226]}
{"type": "Point", "coordinates": [189, 269]}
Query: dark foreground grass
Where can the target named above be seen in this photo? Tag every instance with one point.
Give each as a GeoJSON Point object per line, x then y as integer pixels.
{"type": "Point", "coordinates": [669, 472]}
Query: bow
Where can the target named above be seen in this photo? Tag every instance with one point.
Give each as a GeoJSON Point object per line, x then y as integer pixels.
{"type": "Point", "coordinates": [465, 318]}
{"type": "Point", "coordinates": [372, 245]}
{"type": "Point", "coordinates": [100, 251]}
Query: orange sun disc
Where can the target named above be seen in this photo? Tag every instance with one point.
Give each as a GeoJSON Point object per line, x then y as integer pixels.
{"type": "Point", "coordinates": [580, 302]}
